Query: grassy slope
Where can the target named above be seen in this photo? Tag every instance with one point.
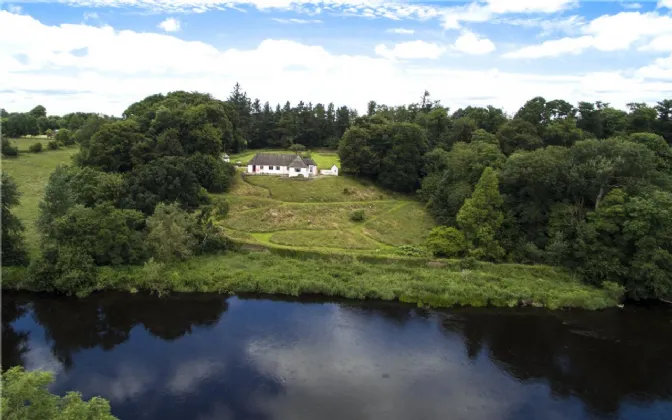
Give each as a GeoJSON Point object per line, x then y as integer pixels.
{"type": "Point", "coordinates": [264, 204]}
{"type": "Point", "coordinates": [31, 172]}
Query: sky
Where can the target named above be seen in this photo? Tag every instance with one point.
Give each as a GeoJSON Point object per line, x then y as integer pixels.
{"type": "Point", "coordinates": [103, 55]}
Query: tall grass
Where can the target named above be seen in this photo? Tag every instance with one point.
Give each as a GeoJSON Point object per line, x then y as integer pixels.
{"type": "Point", "coordinates": [494, 285]}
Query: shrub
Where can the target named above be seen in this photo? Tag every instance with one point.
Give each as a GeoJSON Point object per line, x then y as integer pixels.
{"type": "Point", "coordinates": [296, 147]}
{"type": "Point", "coordinates": [53, 145]}
{"type": "Point", "coordinates": [35, 148]}
{"type": "Point", "coordinates": [411, 251]}
{"type": "Point", "coordinates": [65, 137]}
{"type": "Point", "coordinates": [8, 149]}
{"type": "Point", "coordinates": [357, 215]}
{"type": "Point", "coordinates": [446, 241]}
{"type": "Point", "coordinates": [346, 191]}
{"type": "Point", "coordinates": [468, 263]}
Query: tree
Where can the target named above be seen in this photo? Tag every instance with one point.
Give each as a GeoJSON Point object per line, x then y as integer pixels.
{"type": "Point", "coordinates": [167, 179]}
{"type": "Point", "coordinates": [171, 233]}
{"type": "Point", "coordinates": [518, 134]}
{"type": "Point", "coordinates": [446, 241]}
{"type": "Point", "coordinates": [400, 167]}
{"type": "Point", "coordinates": [64, 136]}
{"type": "Point", "coordinates": [8, 149]}
{"type": "Point", "coordinates": [25, 395]}
{"type": "Point", "coordinates": [35, 147]}
{"type": "Point", "coordinates": [39, 111]}
{"type": "Point", "coordinates": [112, 148]}
{"type": "Point", "coordinates": [13, 251]}
{"type": "Point", "coordinates": [481, 216]}
{"type": "Point", "coordinates": [629, 239]}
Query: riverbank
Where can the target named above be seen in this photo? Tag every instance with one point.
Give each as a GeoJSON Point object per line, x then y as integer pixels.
{"type": "Point", "coordinates": [500, 285]}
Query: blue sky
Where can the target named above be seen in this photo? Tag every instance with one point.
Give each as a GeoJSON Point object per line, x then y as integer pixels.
{"type": "Point", "coordinates": [102, 55]}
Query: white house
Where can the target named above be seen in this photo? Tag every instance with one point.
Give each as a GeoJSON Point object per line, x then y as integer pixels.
{"type": "Point", "coordinates": [281, 164]}
{"type": "Point", "coordinates": [333, 171]}
{"type": "Point", "coordinates": [225, 157]}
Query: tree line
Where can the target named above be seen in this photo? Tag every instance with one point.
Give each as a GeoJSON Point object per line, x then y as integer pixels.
{"type": "Point", "coordinates": [587, 187]}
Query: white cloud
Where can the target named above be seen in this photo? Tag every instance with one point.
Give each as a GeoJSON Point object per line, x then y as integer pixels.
{"type": "Point", "coordinates": [14, 8]}
{"type": "Point", "coordinates": [605, 33]}
{"type": "Point", "coordinates": [170, 25]}
{"type": "Point", "coordinates": [470, 43]}
{"type": "Point", "coordinates": [632, 6]}
{"type": "Point", "coordinates": [553, 48]}
{"type": "Point", "coordinates": [91, 16]}
{"type": "Point", "coordinates": [529, 6]}
{"type": "Point", "coordinates": [297, 21]}
{"type": "Point", "coordinates": [660, 69]}
{"type": "Point", "coordinates": [401, 31]}
{"type": "Point", "coordinates": [411, 50]}
{"type": "Point", "coordinates": [665, 3]}
{"type": "Point", "coordinates": [121, 67]}
{"type": "Point", "coordinates": [659, 43]}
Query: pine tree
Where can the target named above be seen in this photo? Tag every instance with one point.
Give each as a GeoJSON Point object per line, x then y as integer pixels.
{"type": "Point", "coordinates": [481, 216]}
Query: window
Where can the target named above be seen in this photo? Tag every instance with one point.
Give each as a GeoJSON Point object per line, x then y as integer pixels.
{"type": "Point", "coordinates": [270, 168]}
{"type": "Point", "coordinates": [297, 170]}
{"type": "Point", "coordinates": [277, 168]}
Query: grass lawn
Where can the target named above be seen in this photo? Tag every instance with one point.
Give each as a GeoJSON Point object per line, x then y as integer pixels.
{"type": "Point", "coordinates": [320, 190]}
{"type": "Point", "coordinates": [408, 224]}
{"type": "Point", "coordinates": [345, 239]}
{"type": "Point", "coordinates": [24, 143]}
{"type": "Point", "coordinates": [286, 216]}
{"type": "Point", "coordinates": [31, 172]}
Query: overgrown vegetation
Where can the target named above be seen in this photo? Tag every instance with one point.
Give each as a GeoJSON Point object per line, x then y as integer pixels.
{"type": "Point", "coordinates": [586, 187]}
{"type": "Point", "coordinates": [25, 396]}
{"type": "Point", "coordinates": [486, 284]}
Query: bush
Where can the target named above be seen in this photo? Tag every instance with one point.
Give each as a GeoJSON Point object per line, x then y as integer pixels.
{"type": "Point", "coordinates": [446, 241]}
{"type": "Point", "coordinates": [468, 263]}
{"type": "Point", "coordinates": [65, 137]}
{"type": "Point", "coordinates": [357, 215]}
{"type": "Point", "coordinates": [411, 251]}
{"type": "Point", "coordinates": [8, 149]}
{"type": "Point", "coordinates": [53, 145]}
{"type": "Point", "coordinates": [35, 148]}
{"type": "Point", "coordinates": [296, 147]}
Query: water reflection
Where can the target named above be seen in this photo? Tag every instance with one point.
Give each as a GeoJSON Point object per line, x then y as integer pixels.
{"type": "Point", "coordinates": [212, 357]}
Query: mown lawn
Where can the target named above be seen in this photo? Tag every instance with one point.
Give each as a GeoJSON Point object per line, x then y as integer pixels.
{"type": "Point", "coordinates": [345, 239]}
{"type": "Point", "coordinates": [320, 190]}
{"type": "Point", "coordinates": [408, 224]}
{"type": "Point", "coordinates": [31, 172]}
{"type": "Point", "coordinates": [24, 143]}
{"type": "Point", "coordinates": [287, 216]}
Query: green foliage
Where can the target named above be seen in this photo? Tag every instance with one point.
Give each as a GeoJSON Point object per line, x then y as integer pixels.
{"type": "Point", "coordinates": [8, 149]}
{"type": "Point", "coordinates": [171, 233]}
{"type": "Point", "coordinates": [35, 148]}
{"type": "Point", "coordinates": [13, 251]}
{"type": "Point", "coordinates": [53, 145]}
{"type": "Point", "coordinates": [116, 147]}
{"type": "Point", "coordinates": [357, 215]}
{"type": "Point", "coordinates": [628, 240]}
{"type": "Point", "coordinates": [25, 396]}
{"type": "Point", "coordinates": [296, 147]}
{"type": "Point", "coordinates": [447, 242]}
{"type": "Point", "coordinates": [481, 217]}
{"type": "Point", "coordinates": [213, 174]}
{"type": "Point", "coordinates": [518, 134]}
{"type": "Point", "coordinates": [168, 179]}
{"type": "Point", "coordinates": [64, 136]}
{"type": "Point", "coordinates": [411, 251]}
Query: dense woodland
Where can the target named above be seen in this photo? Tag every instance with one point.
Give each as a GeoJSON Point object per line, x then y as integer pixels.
{"type": "Point", "coordinates": [588, 187]}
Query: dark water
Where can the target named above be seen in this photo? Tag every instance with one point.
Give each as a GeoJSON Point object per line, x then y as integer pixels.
{"type": "Point", "coordinates": [212, 357]}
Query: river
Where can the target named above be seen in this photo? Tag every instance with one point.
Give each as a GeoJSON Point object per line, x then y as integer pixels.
{"type": "Point", "coordinates": [218, 357]}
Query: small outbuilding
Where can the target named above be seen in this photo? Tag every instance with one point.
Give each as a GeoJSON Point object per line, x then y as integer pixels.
{"type": "Point", "coordinates": [333, 171]}
{"type": "Point", "coordinates": [225, 157]}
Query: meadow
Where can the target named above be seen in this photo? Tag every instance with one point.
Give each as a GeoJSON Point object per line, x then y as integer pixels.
{"type": "Point", "coordinates": [31, 172]}
{"type": "Point", "coordinates": [319, 213]}
{"type": "Point", "coordinates": [23, 143]}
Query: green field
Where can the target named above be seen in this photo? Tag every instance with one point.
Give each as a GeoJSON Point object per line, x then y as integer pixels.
{"type": "Point", "coordinates": [315, 214]}
{"type": "Point", "coordinates": [24, 143]}
{"type": "Point", "coordinates": [31, 172]}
